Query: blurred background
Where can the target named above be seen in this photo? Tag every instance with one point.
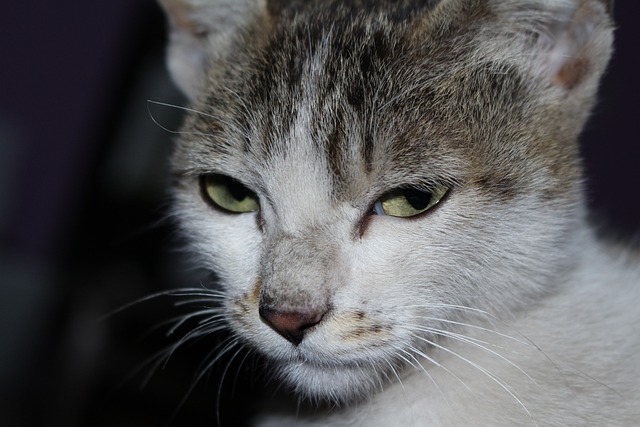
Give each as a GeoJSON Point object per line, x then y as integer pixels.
{"type": "Point", "coordinates": [83, 207]}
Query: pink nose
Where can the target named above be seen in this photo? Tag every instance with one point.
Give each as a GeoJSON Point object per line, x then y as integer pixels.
{"type": "Point", "coordinates": [292, 324]}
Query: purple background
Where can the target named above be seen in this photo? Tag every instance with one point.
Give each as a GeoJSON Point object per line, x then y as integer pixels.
{"type": "Point", "coordinates": [82, 181]}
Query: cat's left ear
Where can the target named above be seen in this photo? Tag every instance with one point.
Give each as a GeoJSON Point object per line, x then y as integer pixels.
{"type": "Point", "coordinates": [569, 41]}
{"type": "Point", "coordinates": [200, 33]}
{"type": "Point", "coordinates": [582, 45]}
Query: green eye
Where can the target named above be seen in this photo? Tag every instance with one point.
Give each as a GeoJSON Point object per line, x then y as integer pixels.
{"type": "Point", "coordinates": [408, 202]}
{"type": "Point", "coordinates": [228, 194]}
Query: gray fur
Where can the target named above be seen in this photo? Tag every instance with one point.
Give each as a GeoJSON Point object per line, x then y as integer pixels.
{"type": "Point", "coordinates": [491, 309]}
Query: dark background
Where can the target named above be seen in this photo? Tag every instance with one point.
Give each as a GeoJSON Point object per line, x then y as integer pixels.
{"type": "Point", "coordinates": [83, 207]}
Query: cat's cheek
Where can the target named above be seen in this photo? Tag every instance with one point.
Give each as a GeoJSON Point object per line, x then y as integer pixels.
{"type": "Point", "coordinates": [237, 258]}
{"type": "Point", "coordinates": [224, 243]}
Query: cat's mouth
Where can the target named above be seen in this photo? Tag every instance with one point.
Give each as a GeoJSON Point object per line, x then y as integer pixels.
{"type": "Point", "coordinates": [336, 382]}
{"type": "Point", "coordinates": [327, 368]}
{"type": "Point", "coordinates": [344, 354]}
{"type": "Point", "coordinates": [311, 358]}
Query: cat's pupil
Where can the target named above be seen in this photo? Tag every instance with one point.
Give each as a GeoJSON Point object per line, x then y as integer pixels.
{"type": "Point", "coordinates": [418, 200]}
{"type": "Point", "coordinates": [237, 190]}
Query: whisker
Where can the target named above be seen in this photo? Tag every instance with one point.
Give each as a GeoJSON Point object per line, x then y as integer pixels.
{"type": "Point", "coordinates": [232, 125]}
{"type": "Point", "coordinates": [249, 352]}
{"type": "Point", "coordinates": [451, 306]}
{"type": "Point", "coordinates": [179, 107]}
{"type": "Point", "coordinates": [438, 364]}
{"type": "Point", "coordinates": [379, 379]}
{"type": "Point", "coordinates": [477, 343]}
{"type": "Point", "coordinates": [217, 316]}
{"type": "Point", "coordinates": [480, 328]}
{"type": "Point", "coordinates": [222, 377]}
{"type": "Point", "coordinates": [490, 375]}
{"type": "Point", "coordinates": [197, 333]}
{"type": "Point", "coordinates": [176, 321]}
{"type": "Point", "coordinates": [204, 368]}
{"type": "Point", "coordinates": [204, 303]}
{"type": "Point", "coordinates": [179, 292]}
{"type": "Point", "coordinates": [176, 132]}
{"type": "Point", "coordinates": [422, 368]}
{"type": "Point", "coordinates": [395, 373]}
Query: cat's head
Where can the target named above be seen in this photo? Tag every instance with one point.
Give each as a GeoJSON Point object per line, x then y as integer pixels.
{"type": "Point", "coordinates": [363, 174]}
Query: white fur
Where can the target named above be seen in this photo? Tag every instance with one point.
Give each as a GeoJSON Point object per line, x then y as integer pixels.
{"type": "Point", "coordinates": [570, 360]}
{"type": "Point", "coordinates": [552, 341]}
{"type": "Point", "coordinates": [481, 313]}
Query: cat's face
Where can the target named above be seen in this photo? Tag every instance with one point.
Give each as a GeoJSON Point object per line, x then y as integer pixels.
{"type": "Point", "coordinates": [361, 179]}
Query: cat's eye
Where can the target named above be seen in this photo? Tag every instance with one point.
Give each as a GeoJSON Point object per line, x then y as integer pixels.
{"type": "Point", "coordinates": [408, 202]}
{"type": "Point", "coordinates": [228, 194]}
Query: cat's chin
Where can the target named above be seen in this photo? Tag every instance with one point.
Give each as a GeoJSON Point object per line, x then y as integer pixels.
{"type": "Point", "coordinates": [339, 384]}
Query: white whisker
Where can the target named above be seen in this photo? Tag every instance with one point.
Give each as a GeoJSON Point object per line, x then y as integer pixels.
{"type": "Point", "coordinates": [179, 107]}
{"type": "Point", "coordinates": [456, 307]}
{"type": "Point", "coordinates": [395, 373]}
{"type": "Point", "coordinates": [475, 342]}
{"type": "Point", "coordinates": [436, 363]}
{"type": "Point", "coordinates": [179, 292]}
{"type": "Point", "coordinates": [205, 367]}
{"type": "Point", "coordinates": [217, 316]}
{"type": "Point", "coordinates": [232, 125]}
{"type": "Point", "coordinates": [486, 372]}
{"type": "Point", "coordinates": [176, 132]}
{"type": "Point", "coordinates": [222, 377]}
{"type": "Point", "coordinates": [423, 369]}
{"type": "Point", "coordinates": [480, 328]}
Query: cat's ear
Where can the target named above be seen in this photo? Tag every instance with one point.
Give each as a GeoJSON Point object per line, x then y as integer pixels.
{"type": "Point", "coordinates": [200, 31]}
{"type": "Point", "coordinates": [569, 41]}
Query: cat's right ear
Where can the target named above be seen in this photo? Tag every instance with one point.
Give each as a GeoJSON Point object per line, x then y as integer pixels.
{"type": "Point", "coordinates": [199, 33]}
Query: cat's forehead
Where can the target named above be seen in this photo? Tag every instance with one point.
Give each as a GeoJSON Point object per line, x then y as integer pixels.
{"type": "Point", "coordinates": [373, 99]}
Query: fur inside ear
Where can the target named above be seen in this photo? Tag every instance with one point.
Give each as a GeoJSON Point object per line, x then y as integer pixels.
{"type": "Point", "coordinates": [577, 48]}
{"type": "Point", "coordinates": [200, 31]}
{"type": "Point", "coordinates": [570, 40]}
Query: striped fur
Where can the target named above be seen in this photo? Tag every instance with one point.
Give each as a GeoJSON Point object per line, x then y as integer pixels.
{"type": "Point", "coordinates": [484, 309]}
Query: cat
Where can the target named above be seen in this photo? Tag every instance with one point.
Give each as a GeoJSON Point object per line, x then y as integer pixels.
{"type": "Point", "coordinates": [391, 194]}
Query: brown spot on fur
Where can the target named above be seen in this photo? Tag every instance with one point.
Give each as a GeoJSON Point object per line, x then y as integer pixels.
{"type": "Point", "coordinates": [255, 294]}
{"type": "Point", "coordinates": [366, 331]}
{"type": "Point", "coordinates": [359, 327]}
{"type": "Point", "coordinates": [572, 73]}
